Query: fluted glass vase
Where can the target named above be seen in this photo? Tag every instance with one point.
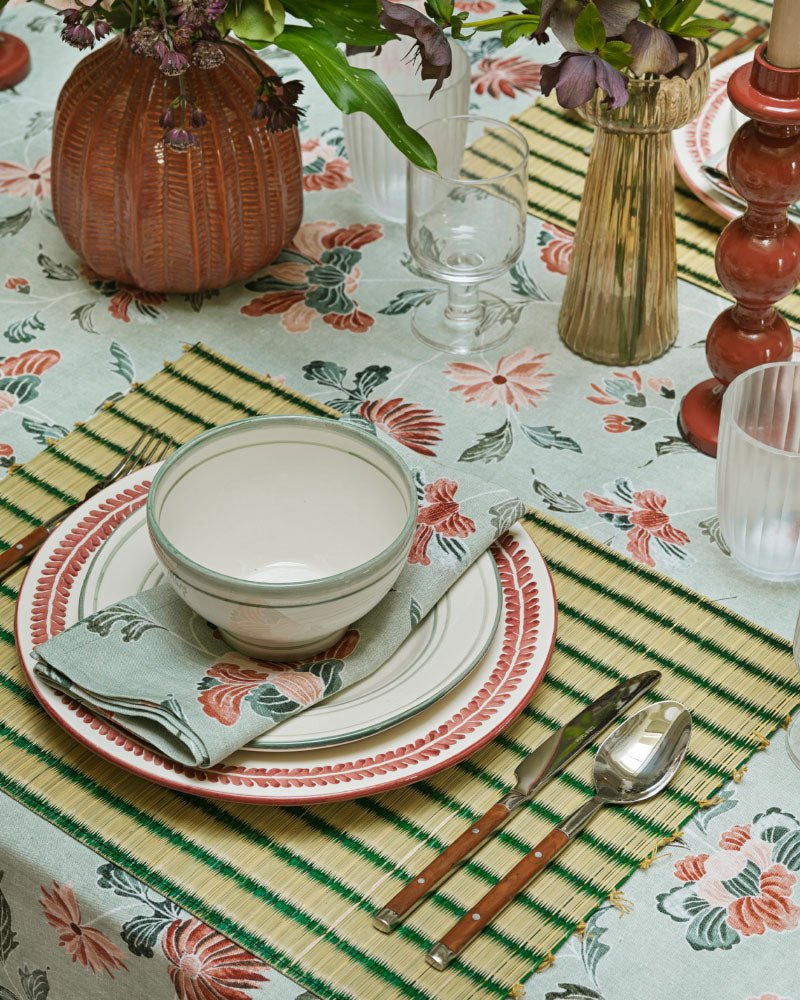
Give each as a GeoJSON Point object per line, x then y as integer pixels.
{"type": "Point", "coordinates": [620, 304]}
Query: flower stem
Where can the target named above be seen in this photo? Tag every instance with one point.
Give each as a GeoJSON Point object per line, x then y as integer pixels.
{"type": "Point", "coordinates": [493, 22]}
{"type": "Point", "coordinates": [257, 66]}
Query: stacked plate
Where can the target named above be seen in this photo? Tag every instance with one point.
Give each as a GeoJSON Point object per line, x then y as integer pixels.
{"type": "Point", "coordinates": [464, 674]}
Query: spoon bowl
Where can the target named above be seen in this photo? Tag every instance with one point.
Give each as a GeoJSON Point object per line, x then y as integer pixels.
{"type": "Point", "coordinates": [642, 754]}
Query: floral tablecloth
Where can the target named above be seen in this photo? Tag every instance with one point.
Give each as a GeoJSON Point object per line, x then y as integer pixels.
{"type": "Point", "coordinates": [716, 915]}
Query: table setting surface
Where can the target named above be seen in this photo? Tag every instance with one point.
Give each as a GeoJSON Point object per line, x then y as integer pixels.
{"type": "Point", "coordinates": [114, 883]}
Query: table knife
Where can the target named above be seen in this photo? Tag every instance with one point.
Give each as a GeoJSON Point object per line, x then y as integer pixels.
{"type": "Point", "coordinates": [545, 762]}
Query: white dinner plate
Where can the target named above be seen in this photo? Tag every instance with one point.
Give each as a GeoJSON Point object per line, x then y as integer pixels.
{"type": "Point", "coordinates": [437, 655]}
{"type": "Point", "coordinates": [711, 131]}
{"type": "Point", "coordinates": [65, 578]}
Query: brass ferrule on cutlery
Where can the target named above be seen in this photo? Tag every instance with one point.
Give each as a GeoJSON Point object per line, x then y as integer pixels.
{"type": "Point", "coordinates": [542, 764]}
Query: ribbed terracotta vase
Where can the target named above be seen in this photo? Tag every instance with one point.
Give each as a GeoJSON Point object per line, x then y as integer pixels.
{"type": "Point", "coordinates": [161, 220]}
{"type": "Point", "coordinates": [620, 303]}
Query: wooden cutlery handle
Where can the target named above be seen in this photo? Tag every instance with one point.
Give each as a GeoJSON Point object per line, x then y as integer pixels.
{"type": "Point", "coordinates": [496, 899]}
{"type": "Point", "coordinates": [440, 868]}
{"type": "Point", "coordinates": [12, 557]}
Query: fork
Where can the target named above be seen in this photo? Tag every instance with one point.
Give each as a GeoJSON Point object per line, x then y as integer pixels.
{"type": "Point", "coordinates": [151, 446]}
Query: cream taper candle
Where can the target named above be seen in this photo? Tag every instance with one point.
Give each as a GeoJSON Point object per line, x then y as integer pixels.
{"type": "Point", "coordinates": [783, 48]}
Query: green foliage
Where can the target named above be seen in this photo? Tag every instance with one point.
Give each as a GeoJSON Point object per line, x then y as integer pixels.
{"type": "Point", "coordinates": [352, 89]}
{"type": "Point", "coordinates": [677, 17]}
{"type": "Point", "coordinates": [354, 22]}
{"type": "Point", "coordinates": [517, 26]}
{"type": "Point", "coordinates": [589, 31]}
{"type": "Point", "coordinates": [701, 27]}
{"type": "Point", "coordinates": [617, 53]}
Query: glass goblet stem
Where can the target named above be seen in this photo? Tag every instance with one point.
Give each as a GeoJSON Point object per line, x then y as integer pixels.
{"type": "Point", "coordinates": [464, 307]}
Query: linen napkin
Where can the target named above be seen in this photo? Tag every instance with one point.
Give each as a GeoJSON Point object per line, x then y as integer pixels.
{"type": "Point", "coordinates": [155, 668]}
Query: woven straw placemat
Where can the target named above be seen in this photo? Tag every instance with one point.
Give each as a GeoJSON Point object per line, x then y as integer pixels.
{"type": "Point", "coordinates": [297, 886]}
{"type": "Point", "coordinates": [558, 162]}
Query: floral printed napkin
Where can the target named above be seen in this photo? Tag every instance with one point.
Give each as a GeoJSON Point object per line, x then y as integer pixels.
{"type": "Point", "coordinates": [157, 669]}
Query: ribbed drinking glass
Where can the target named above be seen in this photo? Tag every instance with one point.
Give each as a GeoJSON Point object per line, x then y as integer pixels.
{"type": "Point", "coordinates": [758, 470]}
{"type": "Point", "coordinates": [378, 167]}
{"type": "Point", "coordinates": [465, 226]}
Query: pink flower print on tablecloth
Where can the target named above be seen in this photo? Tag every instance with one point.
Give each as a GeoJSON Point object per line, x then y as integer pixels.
{"type": "Point", "coordinates": [316, 275]}
{"type": "Point", "coordinates": [506, 77]}
{"type": "Point", "coordinates": [31, 362]}
{"type": "Point", "coordinates": [618, 423]}
{"type": "Point", "coordinates": [475, 6]}
{"type": "Point", "coordinates": [641, 514]}
{"type": "Point", "coordinates": [204, 965]}
{"type": "Point", "coordinates": [85, 945]}
{"type": "Point", "coordinates": [439, 515]}
{"type": "Point", "coordinates": [557, 246]}
{"type": "Point", "coordinates": [518, 380]}
{"type": "Point", "coordinates": [746, 888]}
{"type": "Point", "coordinates": [415, 426]}
{"type": "Point", "coordinates": [22, 181]}
{"type": "Point", "coordinates": [323, 168]}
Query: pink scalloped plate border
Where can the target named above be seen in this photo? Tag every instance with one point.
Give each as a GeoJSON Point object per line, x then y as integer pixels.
{"type": "Point", "coordinates": [693, 144]}
{"type": "Point", "coordinates": [487, 708]}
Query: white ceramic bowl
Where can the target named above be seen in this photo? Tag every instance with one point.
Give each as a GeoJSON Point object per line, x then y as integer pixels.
{"type": "Point", "coordinates": [282, 531]}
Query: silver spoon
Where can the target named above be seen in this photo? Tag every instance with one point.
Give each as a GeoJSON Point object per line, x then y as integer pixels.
{"type": "Point", "coordinates": [634, 763]}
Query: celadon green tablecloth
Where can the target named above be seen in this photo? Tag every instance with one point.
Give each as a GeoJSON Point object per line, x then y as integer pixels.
{"type": "Point", "coordinates": [597, 447]}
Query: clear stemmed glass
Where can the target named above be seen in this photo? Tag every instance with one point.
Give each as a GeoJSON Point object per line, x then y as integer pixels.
{"type": "Point", "coordinates": [465, 226]}
{"type": "Point", "coordinates": [794, 729]}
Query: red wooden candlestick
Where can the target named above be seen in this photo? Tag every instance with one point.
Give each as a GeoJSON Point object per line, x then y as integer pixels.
{"type": "Point", "coordinates": [758, 255]}
{"type": "Point", "coordinates": [15, 61]}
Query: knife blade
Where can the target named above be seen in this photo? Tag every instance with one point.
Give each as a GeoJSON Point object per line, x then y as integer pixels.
{"type": "Point", "coordinates": [545, 762]}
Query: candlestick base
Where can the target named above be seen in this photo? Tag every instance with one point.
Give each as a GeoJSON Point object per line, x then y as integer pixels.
{"type": "Point", "coordinates": [15, 61]}
{"type": "Point", "coordinates": [699, 416]}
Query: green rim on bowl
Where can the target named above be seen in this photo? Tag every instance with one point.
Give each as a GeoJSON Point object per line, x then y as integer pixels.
{"type": "Point", "coordinates": [302, 586]}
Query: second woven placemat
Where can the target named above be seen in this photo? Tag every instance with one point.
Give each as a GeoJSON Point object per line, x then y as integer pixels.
{"type": "Point", "coordinates": [297, 886]}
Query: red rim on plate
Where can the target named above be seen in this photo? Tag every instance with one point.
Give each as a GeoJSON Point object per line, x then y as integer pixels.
{"type": "Point", "coordinates": [463, 721]}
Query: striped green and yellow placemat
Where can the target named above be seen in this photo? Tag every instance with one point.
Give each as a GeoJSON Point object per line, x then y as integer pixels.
{"type": "Point", "coordinates": [558, 162]}
{"type": "Point", "coordinates": [297, 886]}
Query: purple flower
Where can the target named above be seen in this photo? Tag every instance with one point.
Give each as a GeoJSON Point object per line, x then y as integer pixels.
{"type": "Point", "coordinates": [143, 41]}
{"type": "Point", "coordinates": [101, 29]}
{"type": "Point", "coordinates": [216, 9]}
{"type": "Point", "coordinates": [576, 76]}
{"type": "Point", "coordinates": [78, 35]}
{"type": "Point", "coordinates": [653, 50]}
{"type": "Point", "coordinates": [167, 119]}
{"type": "Point", "coordinates": [199, 118]}
{"type": "Point", "coordinates": [208, 55]}
{"type": "Point", "coordinates": [179, 140]}
{"type": "Point", "coordinates": [657, 51]}
{"type": "Point", "coordinates": [561, 15]}
{"type": "Point", "coordinates": [173, 63]}
{"type": "Point", "coordinates": [281, 116]}
{"type": "Point", "coordinates": [71, 15]}
{"type": "Point", "coordinates": [432, 47]}
{"type": "Point", "coordinates": [260, 109]}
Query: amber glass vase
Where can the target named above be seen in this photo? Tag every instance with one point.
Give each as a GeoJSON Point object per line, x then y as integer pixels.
{"type": "Point", "coordinates": [621, 298]}
{"type": "Point", "coordinates": [161, 220]}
